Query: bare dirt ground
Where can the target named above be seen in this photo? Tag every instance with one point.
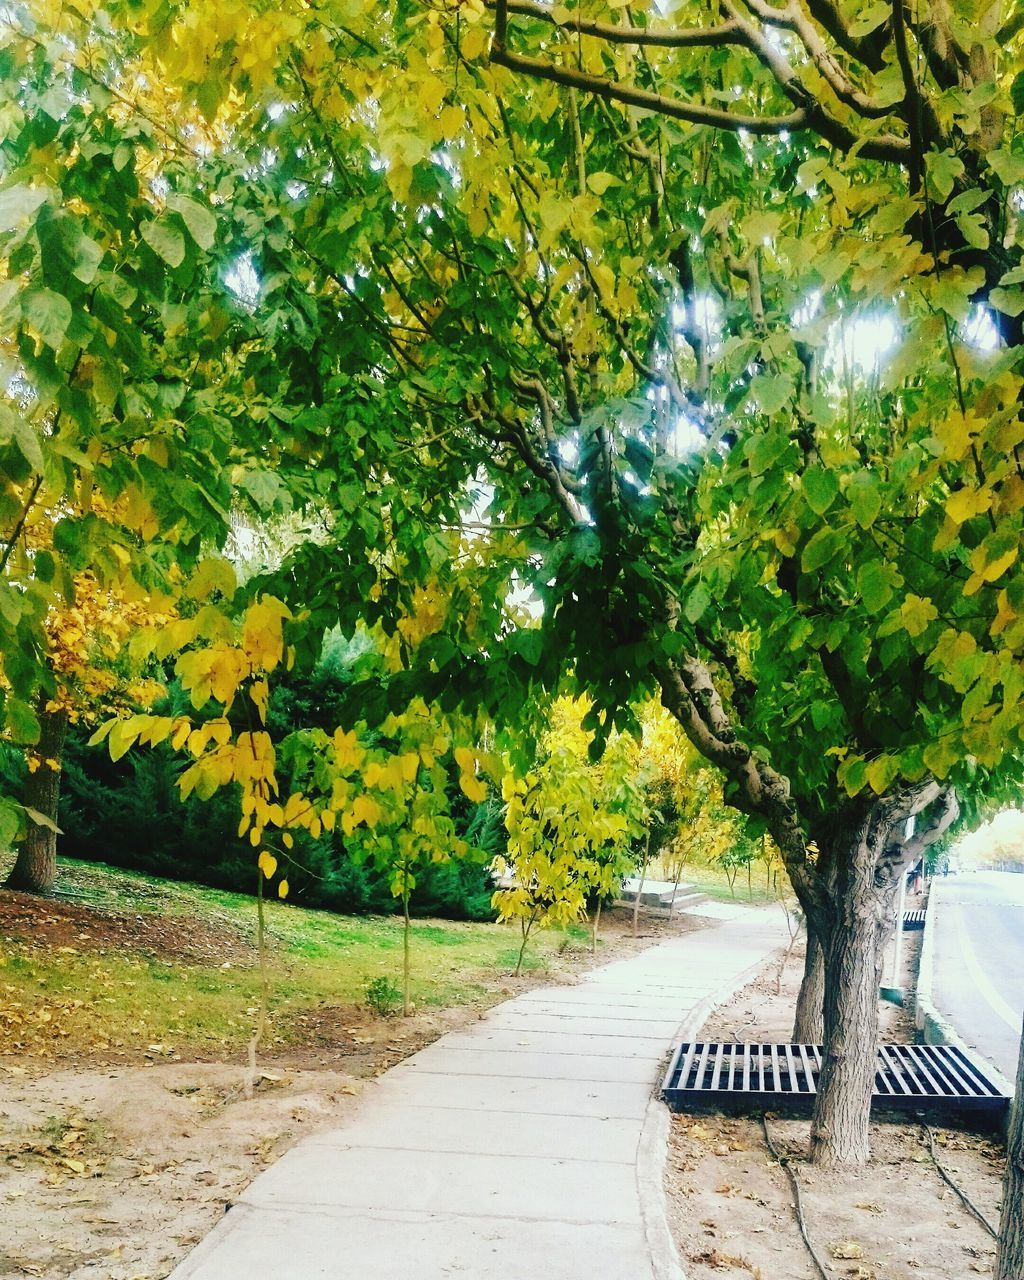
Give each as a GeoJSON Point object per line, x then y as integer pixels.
{"type": "Point", "coordinates": [110, 1171]}
{"type": "Point", "coordinates": [731, 1209]}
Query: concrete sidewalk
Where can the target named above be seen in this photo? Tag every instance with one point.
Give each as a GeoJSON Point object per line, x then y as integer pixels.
{"type": "Point", "coordinates": [529, 1146]}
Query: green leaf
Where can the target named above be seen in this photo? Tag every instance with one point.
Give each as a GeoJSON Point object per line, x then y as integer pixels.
{"type": "Point", "coordinates": [894, 215]}
{"type": "Point", "coordinates": [600, 182]}
{"type": "Point", "coordinates": [820, 488]}
{"type": "Point", "coordinates": [66, 250]}
{"type": "Point", "coordinates": [916, 614]}
{"type": "Point", "coordinates": [870, 19]}
{"type": "Point", "coordinates": [48, 313]}
{"type": "Point", "coordinates": [874, 585]}
{"type": "Point", "coordinates": [696, 603]}
{"type": "Point", "coordinates": [1008, 166]}
{"type": "Point", "coordinates": [166, 241]}
{"type": "Point", "coordinates": [944, 168]}
{"type": "Point", "coordinates": [967, 201]}
{"type": "Point", "coordinates": [822, 548]}
{"type": "Point", "coordinates": [15, 430]}
{"type": "Point", "coordinates": [864, 494]}
{"type": "Point", "coordinates": [1009, 301]}
{"type": "Point", "coordinates": [1017, 93]}
{"type": "Point", "coordinates": [882, 772]}
{"type": "Point", "coordinates": [973, 229]}
{"type": "Point", "coordinates": [41, 820]}
{"type": "Point", "coordinates": [10, 822]}
{"type": "Point", "coordinates": [201, 223]}
{"type": "Point", "coordinates": [852, 775]}
{"type": "Point", "coordinates": [18, 202]}
{"type": "Point", "coordinates": [953, 295]}
{"type": "Point", "coordinates": [763, 451]}
{"type": "Point", "coordinates": [772, 391]}
{"type": "Point", "coordinates": [23, 723]}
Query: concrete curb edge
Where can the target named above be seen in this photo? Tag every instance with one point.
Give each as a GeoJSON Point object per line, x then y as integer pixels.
{"type": "Point", "coordinates": [652, 1150]}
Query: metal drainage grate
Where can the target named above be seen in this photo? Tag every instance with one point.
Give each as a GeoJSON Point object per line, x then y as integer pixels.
{"type": "Point", "coordinates": [907, 1075]}
{"type": "Point", "coordinates": [913, 919]}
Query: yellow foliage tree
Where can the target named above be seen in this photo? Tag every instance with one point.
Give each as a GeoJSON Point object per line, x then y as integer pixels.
{"type": "Point", "coordinates": [88, 655]}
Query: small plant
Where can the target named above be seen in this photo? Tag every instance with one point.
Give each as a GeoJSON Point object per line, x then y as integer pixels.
{"type": "Point", "coordinates": [383, 996]}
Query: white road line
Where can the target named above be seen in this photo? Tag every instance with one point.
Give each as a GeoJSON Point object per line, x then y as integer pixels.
{"type": "Point", "coordinates": [981, 981]}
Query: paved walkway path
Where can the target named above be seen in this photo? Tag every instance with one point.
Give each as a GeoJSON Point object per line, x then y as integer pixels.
{"type": "Point", "coordinates": [528, 1146]}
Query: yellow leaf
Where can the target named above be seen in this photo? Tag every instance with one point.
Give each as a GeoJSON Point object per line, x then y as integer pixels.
{"type": "Point", "coordinates": [262, 634]}
{"type": "Point", "coordinates": [967, 503]}
{"type": "Point", "coordinates": [364, 809]}
{"type": "Point", "coordinates": [282, 889]}
{"type": "Point", "coordinates": [473, 787]}
{"type": "Point", "coordinates": [348, 753]}
{"type": "Point", "coordinates": [260, 694]}
{"type": "Point", "coordinates": [267, 863]}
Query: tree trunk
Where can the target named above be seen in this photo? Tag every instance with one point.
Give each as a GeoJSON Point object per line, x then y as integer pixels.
{"type": "Point", "coordinates": [640, 886]}
{"type": "Point", "coordinates": [406, 926]}
{"type": "Point", "coordinates": [526, 926]}
{"type": "Point", "coordinates": [809, 1025]}
{"type": "Point", "coordinates": [597, 925]}
{"type": "Point", "coordinates": [852, 936]}
{"type": "Point", "coordinates": [1010, 1255]}
{"type": "Point", "coordinates": [35, 869]}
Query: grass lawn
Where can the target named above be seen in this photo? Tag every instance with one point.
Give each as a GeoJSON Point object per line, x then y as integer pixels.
{"type": "Point", "coordinates": [713, 881]}
{"type": "Point", "coordinates": [122, 961]}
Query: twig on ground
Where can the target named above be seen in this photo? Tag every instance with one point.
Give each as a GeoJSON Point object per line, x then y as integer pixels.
{"type": "Point", "coordinates": [797, 1203]}
{"type": "Point", "coordinates": [965, 1199]}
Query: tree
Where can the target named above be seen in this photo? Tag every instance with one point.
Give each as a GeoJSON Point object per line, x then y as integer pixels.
{"type": "Point", "coordinates": [1010, 1253]}
{"type": "Point", "coordinates": [90, 673]}
{"type": "Point", "coordinates": [625, 357]}
{"type": "Point", "coordinates": [571, 825]}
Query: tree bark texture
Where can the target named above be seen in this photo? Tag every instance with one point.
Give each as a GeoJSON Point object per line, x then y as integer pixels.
{"type": "Point", "coordinates": [852, 934]}
{"type": "Point", "coordinates": [35, 869]}
{"type": "Point", "coordinates": [809, 1025]}
{"type": "Point", "coordinates": [1010, 1257]}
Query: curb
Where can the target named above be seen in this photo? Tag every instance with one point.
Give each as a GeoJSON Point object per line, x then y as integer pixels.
{"type": "Point", "coordinates": [934, 1028]}
{"type": "Point", "coordinates": [652, 1150]}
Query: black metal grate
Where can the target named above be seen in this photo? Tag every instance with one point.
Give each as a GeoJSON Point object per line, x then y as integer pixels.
{"type": "Point", "coordinates": [907, 1075]}
{"type": "Point", "coordinates": [913, 919]}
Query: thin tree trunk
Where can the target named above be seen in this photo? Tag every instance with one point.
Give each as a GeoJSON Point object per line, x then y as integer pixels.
{"type": "Point", "coordinates": [750, 887]}
{"type": "Point", "coordinates": [675, 887]}
{"type": "Point", "coordinates": [809, 1027]}
{"type": "Point", "coordinates": [406, 1003]}
{"type": "Point", "coordinates": [35, 869]}
{"type": "Point", "coordinates": [597, 922]}
{"type": "Point", "coordinates": [1010, 1255]}
{"type": "Point", "coordinates": [526, 927]}
{"type": "Point", "coordinates": [640, 886]}
{"type": "Point", "coordinates": [261, 1022]}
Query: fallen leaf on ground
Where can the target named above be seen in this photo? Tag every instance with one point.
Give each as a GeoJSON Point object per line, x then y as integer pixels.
{"type": "Point", "coordinates": [847, 1250]}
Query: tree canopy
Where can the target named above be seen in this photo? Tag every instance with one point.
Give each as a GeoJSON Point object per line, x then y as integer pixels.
{"type": "Point", "coordinates": [610, 351]}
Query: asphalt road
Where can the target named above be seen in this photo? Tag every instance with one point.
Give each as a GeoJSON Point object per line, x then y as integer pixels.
{"type": "Point", "coordinates": [978, 980]}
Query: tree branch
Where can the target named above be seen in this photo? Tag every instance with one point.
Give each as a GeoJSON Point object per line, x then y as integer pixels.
{"type": "Point", "coordinates": [689, 694]}
{"type": "Point", "coordinates": [672, 107]}
{"type": "Point", "coordinates": [809, 114]}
